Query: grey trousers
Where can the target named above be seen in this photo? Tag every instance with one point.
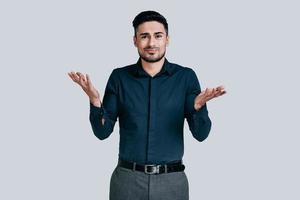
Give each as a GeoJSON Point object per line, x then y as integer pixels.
{"type": "Point", "coordinates": [126, 184]}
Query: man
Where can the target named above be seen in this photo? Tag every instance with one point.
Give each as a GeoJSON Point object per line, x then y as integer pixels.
{"type": "Point", "coordinates": [151, 98]}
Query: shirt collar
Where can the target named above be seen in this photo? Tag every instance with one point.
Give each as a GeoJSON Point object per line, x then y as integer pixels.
{"type": "Point", "coordinates": [139, 70]}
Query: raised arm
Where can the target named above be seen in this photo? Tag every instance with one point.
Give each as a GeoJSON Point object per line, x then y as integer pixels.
{"type": "Point", "coordinates": [102, 115]}
{"type": "Point", "coordinates": [195, 106]}
{"type": "Point", "coordinates": [103, 118]}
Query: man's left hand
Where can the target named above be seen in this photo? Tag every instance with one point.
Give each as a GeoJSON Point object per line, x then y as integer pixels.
{"type": "Point", "coordinates": [208, 94]}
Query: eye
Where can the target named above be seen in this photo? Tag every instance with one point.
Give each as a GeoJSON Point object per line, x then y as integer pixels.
{"type": "Point", "coordinates": [143, 37]}
{"type": "Point", "coordinates": [159, 36]}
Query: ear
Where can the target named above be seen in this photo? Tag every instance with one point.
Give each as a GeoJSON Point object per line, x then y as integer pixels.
{"type": "Point", "coordinates": [168, 40]}
{"type": "Point", "coordinates": [134, 40]}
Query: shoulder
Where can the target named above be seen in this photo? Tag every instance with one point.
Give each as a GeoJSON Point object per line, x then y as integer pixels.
{"type": "Point", "coordinates": [183, 70]}
{"type": "Point", "coordinates": [187, 74]}
{"type": "Point", "coordinates": [119, 72]}
{"type": "Point", "coordinates": [124, 70]}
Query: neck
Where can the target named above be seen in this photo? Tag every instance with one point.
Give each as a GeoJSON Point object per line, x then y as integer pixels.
{"type": "Point", "coordinates": [152, 68]}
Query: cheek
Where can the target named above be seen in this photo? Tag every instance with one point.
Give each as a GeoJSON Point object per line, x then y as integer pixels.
{"type": "Point", "coordinates": [163, 46]}
{"type": "Point", "coordinates": [141, 45]}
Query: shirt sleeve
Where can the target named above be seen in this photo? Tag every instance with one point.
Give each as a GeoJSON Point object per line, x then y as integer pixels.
{"type": "Point", "coordinates": [107, 111]}
{"type": "Point", "coordinates": [198, 121]}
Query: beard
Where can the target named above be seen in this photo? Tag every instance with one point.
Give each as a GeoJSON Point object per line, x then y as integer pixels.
{"type": "Point", "coordinates": [152, 59]}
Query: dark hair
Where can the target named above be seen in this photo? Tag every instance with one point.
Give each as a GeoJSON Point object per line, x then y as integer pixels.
{"type": "Point", "coordinates": [147, 16]}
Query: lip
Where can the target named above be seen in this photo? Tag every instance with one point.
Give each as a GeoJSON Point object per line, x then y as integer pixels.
{"type": "Point", "coordinates": [151, 50]}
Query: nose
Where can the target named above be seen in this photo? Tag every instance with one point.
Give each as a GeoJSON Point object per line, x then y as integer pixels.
{"type": "Point", "coordinates": [151, 41]}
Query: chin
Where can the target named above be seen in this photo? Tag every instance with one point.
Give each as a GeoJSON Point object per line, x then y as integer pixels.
{"type": "Point", "coordinates": [152, 59]}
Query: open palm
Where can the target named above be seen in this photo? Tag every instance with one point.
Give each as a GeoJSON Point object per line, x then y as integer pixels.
{"type": "Point", "coordinates": [86, 84]}
{"type": "Point", "coordinates": [207, 95]}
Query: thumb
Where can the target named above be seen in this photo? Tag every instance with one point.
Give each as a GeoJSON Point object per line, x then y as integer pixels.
{"type": "Point", "coordinates": [89, 82]}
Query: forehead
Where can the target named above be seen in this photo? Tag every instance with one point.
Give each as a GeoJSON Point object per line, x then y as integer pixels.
{"type": "Point", "coordinates": [151, 27]}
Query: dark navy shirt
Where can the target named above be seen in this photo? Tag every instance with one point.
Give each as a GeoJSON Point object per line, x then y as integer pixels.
{"type": "Point", "coordinates": [151, 112]}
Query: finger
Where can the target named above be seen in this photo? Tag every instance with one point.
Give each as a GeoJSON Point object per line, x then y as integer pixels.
{"type": "Point", "coordinates": [221, 92]}
{"type": "Point", "coordinates": [89, 82]}
{"type": "Point", "coordinates": [70, 75]}
{"type": "Point", "coordinates": [74, 77]}
{"type": "Point", "coordinates": [81, 76]}
{"type": "Point", "coordinates": [217, 92]}
{"type": "Point", "coordinates": [204, 93]}
{"type": "Point", "coordinates": [221, 87]}
{"type": "Point", "coordinates": [81, 81]}
{"type": "Point", "coordinates": [211, 94]}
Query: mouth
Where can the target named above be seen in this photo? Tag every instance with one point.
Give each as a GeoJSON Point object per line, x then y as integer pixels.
{"type": "Point", "coordinates": [151, 50]}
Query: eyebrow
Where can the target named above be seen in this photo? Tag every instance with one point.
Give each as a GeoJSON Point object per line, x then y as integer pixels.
{"type": "Point", "coordinates": [156, 33]}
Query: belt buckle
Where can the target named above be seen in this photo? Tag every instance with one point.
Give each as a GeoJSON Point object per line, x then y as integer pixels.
{"type": "Point", "coordinates": [154, 169]}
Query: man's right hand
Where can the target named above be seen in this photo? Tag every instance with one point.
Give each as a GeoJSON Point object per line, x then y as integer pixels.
{"type": "Point", "coordinates": [86, 84]}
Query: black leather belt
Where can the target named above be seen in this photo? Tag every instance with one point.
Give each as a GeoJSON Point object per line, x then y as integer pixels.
{"type": "Point", "coordinates": [153, 169]}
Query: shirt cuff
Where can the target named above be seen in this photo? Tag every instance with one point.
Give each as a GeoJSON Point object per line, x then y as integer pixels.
{"type": "Point", "coordinates": [96, 111]}
{"type": "Point", "coordinates": [202, 111]}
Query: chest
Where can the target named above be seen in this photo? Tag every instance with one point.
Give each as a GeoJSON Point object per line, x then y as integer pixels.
{"type": "Point", "coordinates": [158, 94]}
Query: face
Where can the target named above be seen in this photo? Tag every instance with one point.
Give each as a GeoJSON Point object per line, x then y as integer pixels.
{"type": "Point", "coordinates": [151, 40]}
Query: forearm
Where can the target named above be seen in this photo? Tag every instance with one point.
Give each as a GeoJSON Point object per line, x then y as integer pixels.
{"type": "Point", "coordinates": [101, 127]}
{"type": "Point", "coordinates": [200, 123]}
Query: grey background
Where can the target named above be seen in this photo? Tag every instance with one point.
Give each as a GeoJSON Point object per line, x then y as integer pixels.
{"type": "Point", "coordinates": [47, 147]}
